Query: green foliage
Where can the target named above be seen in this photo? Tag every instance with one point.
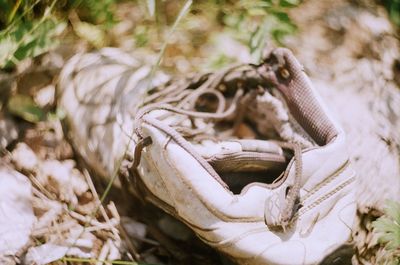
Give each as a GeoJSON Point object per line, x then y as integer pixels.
{"type": "Point", "coordinates": [393, 7]}
{"type": "Point", "coordinates": [141, 35]}
{"type": "Point", "coordinates": [8, 11]}
{"type": "Point", "coordinates": [28, 39]}
{"type": "Point", "coordinates": [25, 108]}
{"type": "Point", "coordinates": [219, 61]}
{"type": "Point", "coordinates": [98, 17]}
{"type": "Point", "coordinates": [95, 261]}
{"type": "Point", "coordinates": [256, 22]}
{"type": "Point", "coordinates": [91, 33]}
{"type": "Point", "coordinates": [59, 114]}
{"type": "Point", "coordinates": [96, 12]}
{"type": "Point", "coordinates": [182, 13]}
{"type": "Point", "coordinates": [31, 27]}
{"type": "Point", "coordinates": [388, 229]}
{"type": "Point", "coordinates": [26, 36]}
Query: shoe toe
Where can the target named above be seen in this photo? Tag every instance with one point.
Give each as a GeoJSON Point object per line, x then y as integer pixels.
{"type": "Point", "coordinates": [289, 252]}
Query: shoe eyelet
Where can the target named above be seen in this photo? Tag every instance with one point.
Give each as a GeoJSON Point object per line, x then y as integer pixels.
{"type": "Point", "coordinates": [288, 188]}
{"type": "Point", "coordinates": [284, 73]}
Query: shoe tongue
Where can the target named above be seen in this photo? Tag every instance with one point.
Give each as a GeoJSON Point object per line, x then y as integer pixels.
{"type": "Point", "coordinates": [242, 162]}
{"type": "Point", "coordinates": [242, 155]}
{"type": "Point", "coordinates": [262, 146]}
{"type": "Point", "coordinates": [209, 148]}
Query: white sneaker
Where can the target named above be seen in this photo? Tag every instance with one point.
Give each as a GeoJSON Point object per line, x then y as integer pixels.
{"type": "Point", "coordinates": [285, 198]}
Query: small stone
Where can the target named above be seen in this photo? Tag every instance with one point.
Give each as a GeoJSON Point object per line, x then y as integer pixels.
{"type": "Point", "coordinates": [16, 214]}
{"type": "Point", "coordinates": [8, 132]}
{"type": "Point", "coordinates": [174, 228]}
{"type": "Point", "coordinates": [45, 96]}
{"type": "Point", "coordinates": [57, 177]}
{"type": "Point", "coordinates": [24, 158]}
{"type": "Point", "coordinates": [134, 228]}
{"type": "Point", "coordinates": [79, 184]}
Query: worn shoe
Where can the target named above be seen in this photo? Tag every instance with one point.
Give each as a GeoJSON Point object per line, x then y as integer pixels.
{"type": "Point", "coordinates": [247, 157]}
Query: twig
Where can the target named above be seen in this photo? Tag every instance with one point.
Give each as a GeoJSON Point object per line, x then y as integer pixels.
{"type": "Point", "coordinates": [42, 190]}
{"type": "Point", "coordinates": [96, 197]}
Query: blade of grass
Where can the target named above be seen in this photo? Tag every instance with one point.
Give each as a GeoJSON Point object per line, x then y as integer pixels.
{"type": "Point", "coordinates": [92, 261]}
{"type": "Point", "coordinates": [9, 27]}
{"type": "Point", "coordinates": [46, 15]}
{"type": "Point", "coordinates": [14, 11]}
{"type": "Point", "coordinates": [180, 16]}
{"type": "Point", "coordinates": [151, 5]}
{"type": "Point", "coordinates": [105, 193]}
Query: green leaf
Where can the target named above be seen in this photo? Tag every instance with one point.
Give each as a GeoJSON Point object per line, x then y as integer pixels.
{"type": "Point", "coordinates": [392, 210]}
{"type": "Point", "coordinates": [388, 226]}
{"type": "Point", "coordinates": [256, 11]}
{"type": "Point", "coordinates": [14, 10]}
{"type": "Point", "coordinates": [59, 114]}
{"type": "Point", "coordinates": [93, 261]}
{"type": "Point", "coordinates": [101, 12]}
{"type": "Point", "coordinates": [28, 39]}
{"type": "Point", "coordinates": [259, 39]}
{"type": "Point", "coordinates": [141, 36]}
{"type": "Point", "coordinates": [289, 3]}
{"type": "Point", "coordinates": [5, 11]}
{"type": "Point", "coordinates": [393, 7]}
{"type": "Point", "coordinates": [282, 17]}
{"type": "Point", "coordinates": [219, 61]}
{"type": "Point", "coordinates": [24, 107]}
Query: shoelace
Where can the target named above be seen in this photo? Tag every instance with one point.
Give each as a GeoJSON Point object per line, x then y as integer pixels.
{"type": "Point", "coordinates": [189, 99]}
{"type": "Point", "coordinates": [292, 198]}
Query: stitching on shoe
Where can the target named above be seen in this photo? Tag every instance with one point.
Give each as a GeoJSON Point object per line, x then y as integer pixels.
{"type": "Point", "coordinates": [220, 215]}
{"type": "Point", "coordinates": [308, 231]}
{"type": "Point", "coordinates": [168, 208]}
{"type": "Point", "coordinates": [303, 210]}
{"type": "Point", "coordinates": [326, 196]}
{"type": "Point", "coordinates": [231, 241]}
{"type": "Point", "coordinates": [186, 146]}
{"type": "Point", "coordinates": [341, 219]}
{"type": "Point", "coordinates": [327, 180]}
{"type": "Point", "coordinates": [276, 244]}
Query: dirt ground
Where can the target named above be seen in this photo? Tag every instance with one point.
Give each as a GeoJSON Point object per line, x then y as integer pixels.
{"type": "Point", "coordinates": [350, 50]}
